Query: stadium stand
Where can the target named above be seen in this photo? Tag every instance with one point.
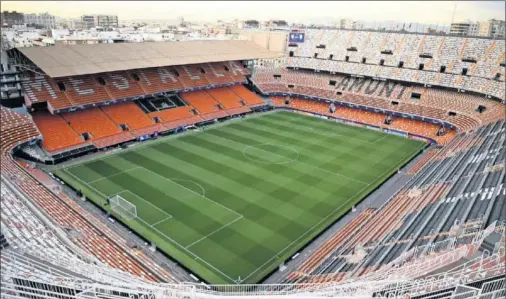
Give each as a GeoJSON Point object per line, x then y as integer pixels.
{"type": "Point", "coordinates": [229, 100]}
{"type": "Point", "coordinates": [92, 121]}
{"type": "Point", "coordinates": [40, 89]}
{"type": "Point", "coordinates": [366, 117]}
{"type": "Point", "coordinates": [379, 94]}
{"type": "Point", "coordinates": [157, 80]}
{"type": "Point", "coordinates": [208, 108]}
{"type": "Point", "coordinates": [84, 90]}
{"type": "Point", "coordinates": [96, 238]}
{"type": "Point", "coordinates": [176, 117]}
{"type": "Point", "coordinates": [440, 235]}
{"type": "Point", "coordinates": [247, 96]}
{"type": "Point", "coordinates": [120, 86]}
{"type": "Point", "coordinates": [58, 134]}
{"type": "Point", "coordinates": [67, 92]}
{"type": "Point", "coordinates": [97, 126]}
{"type": "Point", "coordinates": [446, 195]}
{"type": "Point", "coordinates": [192, 76]}
{"type": "Point", "coordinates": [216, 73]}
{"type": "Point", "coordinates": [130, 114]}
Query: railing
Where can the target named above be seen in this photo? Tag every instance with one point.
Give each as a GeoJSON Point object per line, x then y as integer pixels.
{"type": "Point", "coordinates": [493, 289]}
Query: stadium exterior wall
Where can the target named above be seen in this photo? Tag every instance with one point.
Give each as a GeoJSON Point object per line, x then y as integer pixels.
{"type": "Point", "coordinates": [275, 41]}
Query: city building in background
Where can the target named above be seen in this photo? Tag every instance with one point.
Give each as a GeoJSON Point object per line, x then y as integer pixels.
{"type": "Point", "coordinates": [104, 21]}
{"type": "Point", "coordinates": [8, 19]}
{"type": "Point", "coordinates": [347, 24]}
{"type": "Point", "coordinates": [492, 28]}
{"type": "Point", "coordinates": [466, 28]}
{"type": "Point", "coordinates": [44, 20]}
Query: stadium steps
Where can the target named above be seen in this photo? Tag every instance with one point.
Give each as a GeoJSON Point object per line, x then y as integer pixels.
{"type": "Point", "coordinates": [402, 231]}
{"type": "Point", "coordinates": [455, 191]}
{"type": "Point", "coordinates": [501, 59]}
{"type": "Point", "coordinates": [421, 45]}
{"type": "Point", "coordinates": [325, 251]}
{"type": "Point", "coordinates": [459, 189]}
{"type": "Point", "coordinates": [440, 48]}
{"type": "Point", "coordinates": [463, 50]}
{"type": "Point", "coordinates": [423, 216]}
{"type": "Point", "coordinates": [3, 241]}
{"type": "Point", "coordinates": [478, 199]}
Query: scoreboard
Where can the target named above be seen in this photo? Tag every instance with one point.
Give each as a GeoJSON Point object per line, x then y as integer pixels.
{"type": "Point", "coordinates": [296, 36]}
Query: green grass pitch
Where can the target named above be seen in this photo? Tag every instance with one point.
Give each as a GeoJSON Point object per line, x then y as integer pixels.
{"type": "Point", "coordinates": [233, 201]}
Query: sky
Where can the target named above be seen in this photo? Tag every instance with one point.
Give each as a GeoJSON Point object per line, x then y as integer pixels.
{"type": "Point", "coordinates": [429, 12]}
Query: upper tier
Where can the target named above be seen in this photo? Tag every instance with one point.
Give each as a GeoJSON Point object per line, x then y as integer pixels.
{"type": "Point", "coordinates": [474, 64]}
{"type": "Point", "coordinates": [63, 94]}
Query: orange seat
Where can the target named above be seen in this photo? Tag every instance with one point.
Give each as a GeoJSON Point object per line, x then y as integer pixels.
{"type": "Point", "coordinates": [93, 121]}
{"type": "Point", "coordinates": [57, 133]}
{"type": "Point", "coordinates": [201, 100]}
{"type": "Point", "coordinates": [368, 117]}
{"type": "Point", "coordinates": [216, 73]}
{"type": "Point", "coordinates": [128, 113]}
{"type": "Point", "coordinates": [250, 98]}
{"type": "Point", "coordinates": [191, 76]}
{"type": "Point", "coordinates": [120, 85]}
{"type": "Point", "coordinates": [83, 90]}
{"type": "Point", "coordinates": [174, 113]}
{"type": "Point", "coordinates": [160, 79]}
{"type": "Point", "coordinates": [41, 89]}
{"type": "Point", "coordinates": [226, 97]}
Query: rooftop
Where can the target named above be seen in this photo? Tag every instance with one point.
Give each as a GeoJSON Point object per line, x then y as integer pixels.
{"type": "Point", "coordinates": [62, 61]}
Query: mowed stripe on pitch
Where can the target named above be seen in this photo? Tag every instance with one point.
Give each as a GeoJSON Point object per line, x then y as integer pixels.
{"type": "Point", "coordinates": [326, 165]}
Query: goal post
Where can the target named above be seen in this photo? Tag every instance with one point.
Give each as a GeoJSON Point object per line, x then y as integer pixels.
{"type": "Point", "coordinates": [123, 207]}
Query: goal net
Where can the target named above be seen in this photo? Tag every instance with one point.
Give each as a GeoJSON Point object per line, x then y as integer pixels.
{"type": "Point", "coordinates": [123, 207]}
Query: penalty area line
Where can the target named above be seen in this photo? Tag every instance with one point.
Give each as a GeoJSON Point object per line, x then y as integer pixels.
{"type": "Point", "coordinates": [215, 231]}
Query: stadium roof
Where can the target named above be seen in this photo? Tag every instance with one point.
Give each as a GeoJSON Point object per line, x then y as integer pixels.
{"type": "Point", "coordinates": [61, 61]}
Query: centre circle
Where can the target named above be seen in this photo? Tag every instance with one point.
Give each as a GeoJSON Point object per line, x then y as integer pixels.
{"type": "Point", "coordinates": [270, 153]}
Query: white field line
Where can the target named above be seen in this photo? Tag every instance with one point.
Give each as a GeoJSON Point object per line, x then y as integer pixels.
{"type": "Point", "coordinates": [331, 213]}
{"type": "Point", "coordinates": [106, 177]}
{"type": "Point", "coordinates": [161, 139]}
{"type": "Point", "coordinates": [308, 231]}
{"type": "Point", "coordinates": [167, 237]}
{"type": "Point", "coordinates": [330, 133]}
{"type": "Point", "coordinates": [374, 213]}
{"type": "Point", "coordinates": [376, 141]}
{"type": "Point", "coordinates": [294, 161]}
{"type": "Point", "coordinates": [215, 231]}
{"type": "Point", "coordinates": [161, 221]}
{"type": "Point", "coordinates": [190, 190]}
{"type": "Point", "coordinates": [181, 246]}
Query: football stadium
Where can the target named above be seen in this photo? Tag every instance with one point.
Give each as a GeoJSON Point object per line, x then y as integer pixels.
{"type": "Point", "coordinates": [366, 164]}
